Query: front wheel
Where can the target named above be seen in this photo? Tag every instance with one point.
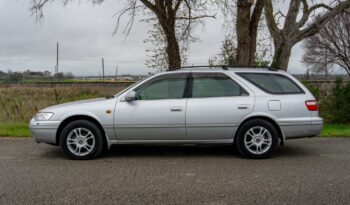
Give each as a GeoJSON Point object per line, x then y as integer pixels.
{"type": "Point", "coordinates": [81, 140]}
{"type": "Point", "coordinates": [256, 139]}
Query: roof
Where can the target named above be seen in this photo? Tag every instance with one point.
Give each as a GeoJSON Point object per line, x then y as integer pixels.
{"type": "Point", "coordinates": [225, 68]}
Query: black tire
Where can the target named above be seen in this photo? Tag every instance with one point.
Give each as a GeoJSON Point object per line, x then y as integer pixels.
{"type": "Point", "coordinates": [240, 143]}
{"type": "Point", "coordinates": [96, 134]}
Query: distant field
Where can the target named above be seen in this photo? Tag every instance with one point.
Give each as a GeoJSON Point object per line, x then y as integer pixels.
{"type": "Point", "coordinates": [19, 104]}
{"type": "Point", "coordinates": [39, 80]}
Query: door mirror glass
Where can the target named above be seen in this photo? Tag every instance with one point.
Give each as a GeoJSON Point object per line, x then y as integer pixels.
{"type": "Point", "coordinates": [130, 96]}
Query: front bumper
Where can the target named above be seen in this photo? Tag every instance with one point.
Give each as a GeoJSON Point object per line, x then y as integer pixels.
{"type": "Point", "coordinates": [44, 131]}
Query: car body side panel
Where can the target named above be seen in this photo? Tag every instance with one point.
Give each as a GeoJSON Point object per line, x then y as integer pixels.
{"type": "Point", "coordinates": [216, 118]}
{"type": "Point", "coordinates": [151, 120]}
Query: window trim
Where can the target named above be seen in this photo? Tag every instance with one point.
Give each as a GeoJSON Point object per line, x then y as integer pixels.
{"type": "Point", "coordinates": [241, 74]}
{"type": "Point", "coordinates": [191, 79]}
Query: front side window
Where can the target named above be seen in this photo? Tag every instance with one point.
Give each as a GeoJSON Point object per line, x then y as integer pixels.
{"type": "Point", "coordinates": [171, 87]}
{"type": "Point", "coordinates": [272, 83]}
{"type": "Point", "coordinates": [215, 85]}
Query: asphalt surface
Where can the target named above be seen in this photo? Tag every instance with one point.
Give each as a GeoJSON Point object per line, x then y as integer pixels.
{"type": "Point", "coordinates": [304, 171]}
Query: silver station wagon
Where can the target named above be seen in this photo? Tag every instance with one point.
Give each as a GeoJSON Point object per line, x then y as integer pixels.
{"type": "Point", "coordinates": [253, 109]}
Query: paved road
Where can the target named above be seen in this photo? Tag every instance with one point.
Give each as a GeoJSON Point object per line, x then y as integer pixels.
{"type": "Point", "coordinates": [305, 171]}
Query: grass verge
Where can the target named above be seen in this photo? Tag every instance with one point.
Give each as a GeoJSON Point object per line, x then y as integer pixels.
{"type": "Point", "coordinates": [14, 129]}
{"type": "Point", "coordinates": [22, 130]}
{"type": "Point", "coordinates": [335, 130]}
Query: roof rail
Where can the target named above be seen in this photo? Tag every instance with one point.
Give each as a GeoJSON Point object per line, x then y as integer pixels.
{"type": "Point", "coordinates": [224, 67]}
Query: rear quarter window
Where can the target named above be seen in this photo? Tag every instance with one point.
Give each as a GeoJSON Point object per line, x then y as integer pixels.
{"type": "Point", "coordinates": [272, 83]}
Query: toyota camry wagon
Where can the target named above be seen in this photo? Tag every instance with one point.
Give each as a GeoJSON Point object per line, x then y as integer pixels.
{"type": "Point", "coordinates": [253, 109]}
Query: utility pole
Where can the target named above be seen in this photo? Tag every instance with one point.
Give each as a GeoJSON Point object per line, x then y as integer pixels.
{"type": "Point", "coordinates": [326, 66]}
{"type": "Point", "coordinates": [103, 70]}
{"type": "Point", "coordinates": [116, 73]}
{"type": "Point", "coordinates": [56, 63]}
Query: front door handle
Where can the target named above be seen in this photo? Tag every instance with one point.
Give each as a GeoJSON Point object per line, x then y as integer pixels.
{"type": "Point", "coordinates": [176, 109]}
{"type": "Point", "coordinates": [242, 106]}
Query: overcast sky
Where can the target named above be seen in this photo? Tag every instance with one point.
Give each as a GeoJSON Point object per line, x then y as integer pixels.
{"type": "Point", "coordinates": [84, 33]}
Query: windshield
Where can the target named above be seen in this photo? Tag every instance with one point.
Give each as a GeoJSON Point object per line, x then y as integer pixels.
{"type": "Point", "coordinates": [134, 84]}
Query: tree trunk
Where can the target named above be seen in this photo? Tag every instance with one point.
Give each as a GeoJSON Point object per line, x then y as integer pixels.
{"type": "Point", "coordinates": [281, 56]}
{"type": "Point", "coordinates": [243, 35]}
{"type": "Point", "coordinates": [173, 51]}
{"type": "Point", "coordinates": [172, 46]}
{"type": "Point", "coordinates": [247, 30]}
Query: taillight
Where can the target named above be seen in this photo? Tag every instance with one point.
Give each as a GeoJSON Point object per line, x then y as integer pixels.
{"type": "Point", "coordinates": [311, 105]}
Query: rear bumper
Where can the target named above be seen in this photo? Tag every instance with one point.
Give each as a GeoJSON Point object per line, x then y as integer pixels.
{"type": "Point", "coordinates": [316, 127]}
{"type": "Point", "coordinates": [44, 131]}
{"type": "Point", "coordinates": [302, 129]}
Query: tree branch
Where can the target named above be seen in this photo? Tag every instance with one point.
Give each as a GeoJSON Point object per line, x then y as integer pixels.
{"type": "Point", "coordinates": [195, 17]}
{"type": "Point", "coordinates": [270, 20]}
{"type": "Point", "coordinates": [149, 5]}
{"type": "Point", "coordinates": [254, 20]}
{"type": "Point", "coordinates": [307, 11]}
{"type": "Point", "coordinates": [313, 28]}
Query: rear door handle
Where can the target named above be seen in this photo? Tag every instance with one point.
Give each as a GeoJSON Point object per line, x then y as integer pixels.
{"type": "Point", "coordinates": [242, 106]}
{"type": "Point", "coordinates": [176, 109]}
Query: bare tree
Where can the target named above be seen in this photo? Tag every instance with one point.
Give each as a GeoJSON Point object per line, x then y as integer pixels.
{"type": "Point", "coordinates": [330, 46]}
{"type": "Point", "coordinates": [294, 29]}
{"type": "Point", "coordinates": [175, 19]}
{"type": "Point", "coordinates": [227, 54]}
{"type": "Point", "coordinates": [157, 55]}
{"type": "Point", "coordinates": [169, 14]}
{"type": "Point", "coordinates": [245, 16]}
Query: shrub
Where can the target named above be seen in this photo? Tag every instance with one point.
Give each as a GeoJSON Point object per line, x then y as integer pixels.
{"type": "Point", "coordinates": [340, 102]}
{"type": "Point", "coordinates": [334, 106]}
{"type": "Point", "coordinates": [14, 77]}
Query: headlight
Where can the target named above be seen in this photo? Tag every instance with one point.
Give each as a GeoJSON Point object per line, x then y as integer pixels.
{"type": "Point", "coordinates": [43, 116]}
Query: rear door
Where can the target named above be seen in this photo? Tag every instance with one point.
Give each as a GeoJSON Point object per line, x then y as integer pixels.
{"type": "Point", "coordinates": [216, 106]}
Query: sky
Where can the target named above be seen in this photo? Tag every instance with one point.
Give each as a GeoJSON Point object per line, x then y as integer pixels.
{"type": "Point", "coordinates": [85, 35]}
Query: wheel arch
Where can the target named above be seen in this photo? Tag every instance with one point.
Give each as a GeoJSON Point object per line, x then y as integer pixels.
{"type": "Point", "coordinates": [70, 119]}
{"type": "Point", "coordinates": [263, 117]}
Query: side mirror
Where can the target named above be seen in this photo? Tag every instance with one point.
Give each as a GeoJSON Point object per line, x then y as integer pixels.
{"type": "Point", "coordinates": [130, 96]}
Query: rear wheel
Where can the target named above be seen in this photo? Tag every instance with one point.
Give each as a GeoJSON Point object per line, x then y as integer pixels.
{"type": "Point", "coordinates": [256, 139]}
{"type": "Point", "coordinates": [82, 140]}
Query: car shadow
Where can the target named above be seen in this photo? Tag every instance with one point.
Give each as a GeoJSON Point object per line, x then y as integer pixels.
{"type": "Point", "coordinates": [170, 151]}
{"type": "Point", "coordinates": [160, 151]}
{"type": "Point", "coordinates": [198, 150]}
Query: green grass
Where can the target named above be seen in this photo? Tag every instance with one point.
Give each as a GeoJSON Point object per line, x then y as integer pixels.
{"type": "Point", "coordinates": [22, 130]}
{"type": "Point", "coordinates": [14, 129]}
{"type": "Point", "coordinates": [335, 130]}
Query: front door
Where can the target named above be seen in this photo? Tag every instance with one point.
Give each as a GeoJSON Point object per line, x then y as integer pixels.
{"type": "Point", "coordinates": [217, 105]}
{"type": "Point", "coordinates": [157, 114]}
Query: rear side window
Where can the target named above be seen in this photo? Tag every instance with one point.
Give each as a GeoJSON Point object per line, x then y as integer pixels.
{"type": "Point", "coordinates": [215, 85]}
{"type": "Point", "coordinates": [272, 83]}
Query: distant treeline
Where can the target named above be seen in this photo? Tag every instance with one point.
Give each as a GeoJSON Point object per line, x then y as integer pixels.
{"type": "Point", "coordinates": [315, 76]}
{"type": "Point", "coordinates": [28, 74]}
